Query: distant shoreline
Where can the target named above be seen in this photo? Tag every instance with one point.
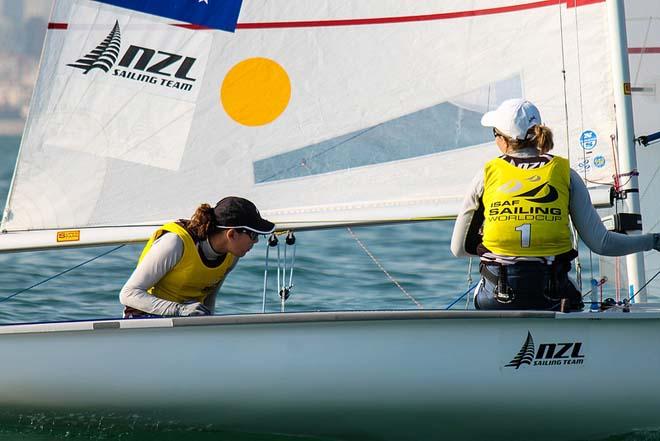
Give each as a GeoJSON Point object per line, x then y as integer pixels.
{"type": "Point", "coordinates": [11, 127]}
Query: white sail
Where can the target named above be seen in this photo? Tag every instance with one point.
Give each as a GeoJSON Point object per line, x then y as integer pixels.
{"type": "Point", "coordinates": [358, 112]}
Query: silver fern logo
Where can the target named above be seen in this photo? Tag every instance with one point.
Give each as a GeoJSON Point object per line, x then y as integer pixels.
{"type": "Point", "coordinates": [526, 354]}
{"type": "Point", "coordinates": [104, 56]}
{"type": "Point", "coordinates": [547, 354]}
{"type": "Point", "coordinates": [139, 63]}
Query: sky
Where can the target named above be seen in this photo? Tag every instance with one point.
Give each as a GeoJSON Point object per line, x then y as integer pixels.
{"type": "Point", "coordinates": [22, 23]}
{"type": "Point", "coordinates": [22, 32]}
{"type": "Point", "coordinates": [40, 8]}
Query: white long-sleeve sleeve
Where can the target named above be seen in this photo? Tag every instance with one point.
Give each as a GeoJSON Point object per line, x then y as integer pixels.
{"type": "Point", "coordinates": [163, 255]}
{"type": "Point", "coordinates": [592, 231]}
{"type": "Point", "coordinates": [468, 220]}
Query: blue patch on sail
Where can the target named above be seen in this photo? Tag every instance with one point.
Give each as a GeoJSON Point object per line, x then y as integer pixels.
{"type": "Point", "coordinates": [218, 14]}
{"type": "Point", "coordinates": [436, 129]}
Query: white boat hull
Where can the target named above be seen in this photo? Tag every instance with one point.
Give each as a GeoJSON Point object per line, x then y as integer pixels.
{"type": "Point", "coordinates": [384, 375]}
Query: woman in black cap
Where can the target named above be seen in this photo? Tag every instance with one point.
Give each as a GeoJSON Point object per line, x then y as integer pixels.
{"type": "Point", "coordinates": [185, 262]}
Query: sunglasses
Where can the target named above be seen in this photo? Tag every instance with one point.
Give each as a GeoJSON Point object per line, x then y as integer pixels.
{"type": "Point", "coordinates": [496, 133]}
{"type": "Point", "coordinates": [253, 234]}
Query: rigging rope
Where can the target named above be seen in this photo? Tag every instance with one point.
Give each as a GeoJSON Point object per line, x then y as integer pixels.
{"type": "Point", "coordinates": [359, 242]}
{"type": "Point", "coordinates": [574, 234]}
{"type": "Point", "coordinates": [263, 299]}
{"type": "Point", "coordinates": [563, 73]}
{"type": "Point", "coordinates": [579, 69]}
{"type": "Point", "coordinates": [463, 295]}
{"type": "Point", "coordinates": [283, 289]}
{"type": "Point", "coordinates": [643, 52]}
{"type": "Point", "coordinates": [60, 274]}
{"type": "Point", "coordinates": [644, 285]}
{"type": "Point", "coordinates": [279, 284]}
{"type": "Point", "coordinates": [598, 284]}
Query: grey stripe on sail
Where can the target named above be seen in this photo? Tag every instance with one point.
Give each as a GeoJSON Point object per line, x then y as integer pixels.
{"type": "Point", "coordinates": [443, 127]}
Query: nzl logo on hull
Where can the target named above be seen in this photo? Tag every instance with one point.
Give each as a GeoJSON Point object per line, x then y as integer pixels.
{"type": "Point", "coordinates": [547, 354]}
{"type": "Point", "coordinates": [138, 63]}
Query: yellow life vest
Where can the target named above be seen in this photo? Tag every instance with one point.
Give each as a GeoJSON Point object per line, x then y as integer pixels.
{"type": "Point", "coordinates": [190, 279]}
{"type": "Point", "coordinates": [526, 210]}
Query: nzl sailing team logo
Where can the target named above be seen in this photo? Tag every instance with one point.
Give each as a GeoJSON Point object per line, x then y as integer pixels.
{"type": "Point", "coordinates": [138, 63]}
{"type": "Point", "coordinates": [547, 354]}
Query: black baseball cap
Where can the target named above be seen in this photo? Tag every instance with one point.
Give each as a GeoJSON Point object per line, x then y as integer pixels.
{"type": "Point", "coordinates": [237, 212]}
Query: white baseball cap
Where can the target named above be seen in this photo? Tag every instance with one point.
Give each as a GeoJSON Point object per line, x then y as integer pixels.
{"type": "Point", "coordinates": [513, 118]}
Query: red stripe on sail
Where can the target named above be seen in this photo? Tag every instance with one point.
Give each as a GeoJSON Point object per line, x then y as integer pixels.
{"type": "Point", "coordinates": [413, 18]}
{"type": "Point", "coordinates": [190, 26]}
{"type": "Point", "coordinates": [386, 20]}
{"type": "Point", "coordinates": [644, 50]}
{"type": "Point", "coordinates": [577, 3]}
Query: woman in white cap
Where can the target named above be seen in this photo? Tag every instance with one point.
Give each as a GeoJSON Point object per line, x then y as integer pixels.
{"type": "Point", "coordinates": [185, 262]}
{"type": "Point", "coordinates": [515, 218]}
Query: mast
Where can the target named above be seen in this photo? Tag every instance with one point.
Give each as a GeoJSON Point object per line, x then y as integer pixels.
{"type": "Point", "coordinates": [625, 139]}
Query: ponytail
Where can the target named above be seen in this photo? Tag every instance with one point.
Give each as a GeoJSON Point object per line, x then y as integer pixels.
{"type": "Point", "coordinates": [539, 137]}
{"type": "Point", "coordinates": [202, 222]}
{"type": "Point", "coordinates": [543, 138]}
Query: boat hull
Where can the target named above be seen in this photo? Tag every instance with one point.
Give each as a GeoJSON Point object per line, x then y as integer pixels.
{"type": "Point", "coordinates": [381, 375]}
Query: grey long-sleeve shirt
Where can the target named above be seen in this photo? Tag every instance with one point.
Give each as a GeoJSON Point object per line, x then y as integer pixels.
{"type": "Point", "coordinates": [163, 255]}
{"type": "Point", "coordinates": [584, 216]}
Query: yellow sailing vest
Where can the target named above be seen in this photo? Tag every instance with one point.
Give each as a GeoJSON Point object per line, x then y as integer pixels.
{"type": "Point", "coordinates": [526, 210]}
{"type": "Point", "coordinates": [190, 279]}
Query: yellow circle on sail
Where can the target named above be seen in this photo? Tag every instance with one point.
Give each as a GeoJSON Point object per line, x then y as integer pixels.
{"type": "Point", "coordinates": [255, 91]}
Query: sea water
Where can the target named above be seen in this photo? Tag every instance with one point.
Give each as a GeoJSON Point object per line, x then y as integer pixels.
{"type": "Point", "coordinates": [332, 271]}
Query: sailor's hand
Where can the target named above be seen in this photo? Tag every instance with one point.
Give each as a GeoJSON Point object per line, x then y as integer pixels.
{"type": "Point", "coordinates": [192, 309]}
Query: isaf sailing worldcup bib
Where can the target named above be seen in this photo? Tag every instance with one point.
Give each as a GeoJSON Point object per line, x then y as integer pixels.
{"type": "Point", "coordinates": [526, 210]}
{"type": "Point", "coordinates": [190, 279]}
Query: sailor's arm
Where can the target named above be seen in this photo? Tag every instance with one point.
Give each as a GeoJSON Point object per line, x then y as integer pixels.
{"type": "Point", "coordinates": [163, 255]}
{"type": "Point", "coordinates": [592, 231]}
{"type": "Point", "coordinates": [466, 237]}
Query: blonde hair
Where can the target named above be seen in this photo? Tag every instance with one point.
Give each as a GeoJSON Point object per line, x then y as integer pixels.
{"type": "Point", "coordinates": [541, 139]}
{"type": "Point", "coordinates": [202, 222]}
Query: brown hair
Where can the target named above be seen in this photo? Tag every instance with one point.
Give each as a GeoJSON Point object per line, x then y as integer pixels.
{"type": "Point", "coordinates": [202, 222]}
{"type": "Point", "coordinates": [541, 140]}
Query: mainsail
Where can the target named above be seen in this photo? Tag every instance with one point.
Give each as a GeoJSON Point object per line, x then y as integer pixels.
{"type": "Point", "coordinates": [354, 112]}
